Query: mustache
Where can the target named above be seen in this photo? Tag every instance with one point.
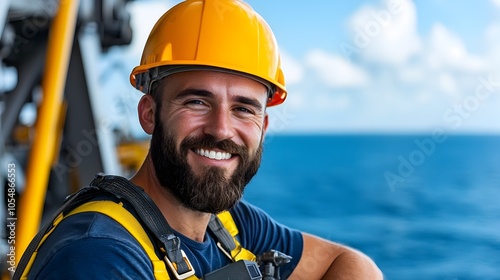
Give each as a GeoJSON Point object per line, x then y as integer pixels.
{"type": "Point", "coordinates": [209, 142]}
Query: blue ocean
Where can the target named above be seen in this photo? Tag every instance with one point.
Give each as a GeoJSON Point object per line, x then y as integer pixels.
{"type": "Point", "coordinates": [421, 206]}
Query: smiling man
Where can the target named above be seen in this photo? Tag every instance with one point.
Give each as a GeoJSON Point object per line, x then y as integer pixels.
{"type": "Point", "coordinates": [209, 71]}
{"type": "Point", "coordinates": [207, 131]}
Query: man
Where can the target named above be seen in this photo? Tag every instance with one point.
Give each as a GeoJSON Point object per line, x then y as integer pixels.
{"type": "Point", "coordinates": [209, 71]}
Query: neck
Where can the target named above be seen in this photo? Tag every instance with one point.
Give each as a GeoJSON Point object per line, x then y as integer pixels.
{"type": "Point", "coordinates": [190, 223]}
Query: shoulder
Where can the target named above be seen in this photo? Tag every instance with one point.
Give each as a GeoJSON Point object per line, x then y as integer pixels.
{"type": "Point", "coordinates": [251, 219]}
{"type": "Point", "coordinates": [91, 240]}
{"type": "Point", "coordinates": [247, 215]}
{"type": "Point", "coordinates": [247, 210]}
{"type": "Point", "coordinates": [259, 233]}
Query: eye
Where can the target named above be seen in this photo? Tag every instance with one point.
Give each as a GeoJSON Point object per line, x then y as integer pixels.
{"type": "Point", "coordinates": [244, 110]}
{"type": "Point", "coordinates": [194, 102]}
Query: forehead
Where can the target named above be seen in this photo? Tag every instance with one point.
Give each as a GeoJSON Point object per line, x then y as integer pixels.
{"type": "Point", "coordinates": [215, 82]}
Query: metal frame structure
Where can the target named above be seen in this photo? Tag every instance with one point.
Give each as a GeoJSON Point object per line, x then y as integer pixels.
{"type": "Point", "coordinates": [52, 47]}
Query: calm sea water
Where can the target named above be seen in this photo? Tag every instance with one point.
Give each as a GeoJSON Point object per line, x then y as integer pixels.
{"type": "Point", "coordinates": [421, 207]}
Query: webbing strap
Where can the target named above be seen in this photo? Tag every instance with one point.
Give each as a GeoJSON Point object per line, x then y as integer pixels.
{"type": "Point", "coordinates": [29, 255]}
{"type": "Point", "coordinates": [34, 254]}
{"type": "Point", "coordinates": [152, 217]}
{"type": "Point", "coordinates": [129, 222]}
{"type": "Point", "coordinates": [222, 234]}
{"type": "Point", "coordinates": [224, 228]}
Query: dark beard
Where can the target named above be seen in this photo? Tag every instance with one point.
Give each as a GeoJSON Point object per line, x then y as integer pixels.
{"type": "Point", "coordinates": [210, 192]}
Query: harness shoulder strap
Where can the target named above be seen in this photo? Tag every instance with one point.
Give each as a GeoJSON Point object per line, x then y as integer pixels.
{"type": "Point", "coordinates": [152, 218]}
{"type": "Point", "coordinates": [117, 212]}
{"type": "Point", "coordinates": [27, 259]}
{"type": "Point", "coordinates": [121, 215]}
{"type": "Point", "coordinates": [225, 229]}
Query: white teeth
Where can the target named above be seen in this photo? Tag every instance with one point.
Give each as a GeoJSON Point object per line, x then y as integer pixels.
{"type": "Point", "coordinates": [218, 155]}
{"type": "Point", "coordinates": [213, 154]}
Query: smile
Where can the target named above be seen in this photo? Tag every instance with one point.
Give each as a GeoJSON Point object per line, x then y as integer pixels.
{"type": "Point", "coordinates": [213, 154]}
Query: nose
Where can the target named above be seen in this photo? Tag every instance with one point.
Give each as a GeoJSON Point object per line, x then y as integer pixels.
{"type": "Point", "coordinates": [219, 124]}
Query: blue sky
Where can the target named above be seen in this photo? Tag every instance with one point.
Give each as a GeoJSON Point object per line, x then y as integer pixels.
{"type": "Point", "coordinates": [377, 66]}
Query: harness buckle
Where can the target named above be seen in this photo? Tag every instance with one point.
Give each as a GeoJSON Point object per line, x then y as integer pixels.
{"type": "Point", "coordinates": [228, 254]}
{"type": "Point", "coordinates": [173, 267]}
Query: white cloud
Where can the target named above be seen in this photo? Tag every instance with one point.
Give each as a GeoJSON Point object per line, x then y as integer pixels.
{"type": "Point", "coordinates": [293, 70]}
{"type": "Point", "coordinates": [144, 16]}
{"type": "Point", "coordinates": [329, 102]}
{"type": "Point", "coordinates": [386, 34]}
{"type": "Point", "coordinates": [492, 33]}
{"type": "Point", "coordinates": [411, 74]}
{"type": "Point", "coordinates": [447, 84]}
{"type": "Point", "coordinates": [492, 39]}
{"type": "Point", "coordinates": [496, 3]}
{"type": "Point", "coordinates": [401, 80]}
{"type": "Point", "coordinates": [447, 50]}
{"type": "Point", "coordinates": [335, 71]}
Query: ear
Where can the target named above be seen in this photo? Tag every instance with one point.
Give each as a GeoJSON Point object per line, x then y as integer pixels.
{"type": "Point", "coordinates": [146, 110]}
{"type": "Point", "coordinates": [266, 124]}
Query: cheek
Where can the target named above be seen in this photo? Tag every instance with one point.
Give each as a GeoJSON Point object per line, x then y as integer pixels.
{"type": "Point", "coordinates": [180, 122]}
{"type": "Point", "coordinates": [252, 136]}
{"type": "Point", "coordinates": [182, 127]}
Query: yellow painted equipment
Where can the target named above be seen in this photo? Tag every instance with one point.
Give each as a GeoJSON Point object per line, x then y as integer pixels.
{"type": "Point", "coordinates": [44, 146]}
{"type": "Point", "coordinates": [48, 50]}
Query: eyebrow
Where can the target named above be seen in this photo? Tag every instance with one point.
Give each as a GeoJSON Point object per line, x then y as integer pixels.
{"type": "Point", "coordinates": [253, 102]}
{"type": "Point", "coordinates": [195, 92]}
{"type": "Point", "coordinates": [250, 102]}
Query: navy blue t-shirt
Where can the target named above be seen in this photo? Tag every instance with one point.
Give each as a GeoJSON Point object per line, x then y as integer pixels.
{"type": "Point", "coordinates": [94, 246]}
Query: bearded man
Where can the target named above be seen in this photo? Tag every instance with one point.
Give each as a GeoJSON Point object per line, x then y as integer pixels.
{"type": "Point", "coordinates": [210, 70]}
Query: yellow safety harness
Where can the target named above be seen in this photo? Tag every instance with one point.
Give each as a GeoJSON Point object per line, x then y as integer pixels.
{"type": "Point", "coordinates": [222, 226]}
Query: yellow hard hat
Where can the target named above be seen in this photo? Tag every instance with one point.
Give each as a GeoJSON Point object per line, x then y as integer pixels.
{"type": "Point", "coordinates": [223, 35]}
